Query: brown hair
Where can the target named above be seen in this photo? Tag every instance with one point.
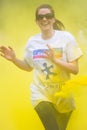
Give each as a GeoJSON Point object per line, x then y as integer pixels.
{"type": "Point", "coordinates": [58, 25]}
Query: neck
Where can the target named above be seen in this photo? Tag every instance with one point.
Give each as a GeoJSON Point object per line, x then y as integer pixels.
{"type": "Point", "coordinates": [48, 34]}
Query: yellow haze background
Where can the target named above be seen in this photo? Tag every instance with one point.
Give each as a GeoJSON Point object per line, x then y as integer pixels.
{"type": "Point", "coordinates": [17, 24]}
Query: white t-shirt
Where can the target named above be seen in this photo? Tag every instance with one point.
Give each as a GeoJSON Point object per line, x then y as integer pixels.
{"type": "Point", "coordinates": [48, 77]}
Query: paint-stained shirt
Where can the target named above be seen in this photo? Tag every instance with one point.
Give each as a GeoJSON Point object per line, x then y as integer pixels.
{"type": "Point", "coordinates": [49, 77]}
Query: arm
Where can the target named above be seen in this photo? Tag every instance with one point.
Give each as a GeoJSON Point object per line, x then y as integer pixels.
{"type": "Point", "coordinates": [71, 67]}
{"type": "Point", "coordinates": [9, 54]}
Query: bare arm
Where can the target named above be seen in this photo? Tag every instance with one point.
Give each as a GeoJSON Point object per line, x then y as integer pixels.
{"type": "Point", "coordinates": [71, 67]}
{"type": "Point", "coordinates": [9, 54]}
{"type": "Point", "coordinates": [22, 64]}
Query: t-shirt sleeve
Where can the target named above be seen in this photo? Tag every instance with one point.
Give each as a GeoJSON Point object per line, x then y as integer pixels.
{"type": "Point", "coordinates": [73, 51]}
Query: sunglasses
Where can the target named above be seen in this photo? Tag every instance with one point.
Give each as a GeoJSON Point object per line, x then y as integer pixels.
{"type": "Point", "coordinates": [47, 16]}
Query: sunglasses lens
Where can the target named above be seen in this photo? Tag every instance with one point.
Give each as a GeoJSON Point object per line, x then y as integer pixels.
{"type": "Point", "coordinates": [39, 17]}
{"type": "Point", "coordinates": [47, 16]}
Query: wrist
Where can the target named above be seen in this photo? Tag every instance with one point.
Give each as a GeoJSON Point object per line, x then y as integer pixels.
{"type": "Point", "coordinates": [14, 59]}
{"type": "Point", "coordinates": [54, 60]}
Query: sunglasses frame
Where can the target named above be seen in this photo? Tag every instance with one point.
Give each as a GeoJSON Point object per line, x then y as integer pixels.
{"type": "Point", "coordinates": [47, 16]}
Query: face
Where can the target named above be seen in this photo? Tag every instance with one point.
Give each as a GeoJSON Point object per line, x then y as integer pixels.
{"type": "Point", "coordinates": [45, 19]}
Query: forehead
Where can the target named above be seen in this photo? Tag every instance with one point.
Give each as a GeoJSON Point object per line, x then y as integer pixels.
{"type": "Point", "coordinates": [44, 11]}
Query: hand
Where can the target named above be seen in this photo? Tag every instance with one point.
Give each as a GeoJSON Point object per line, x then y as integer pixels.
{"type": "Point", "coordinates": [50, 53]}
{"type": "Point", "coordinates": [7, 52]}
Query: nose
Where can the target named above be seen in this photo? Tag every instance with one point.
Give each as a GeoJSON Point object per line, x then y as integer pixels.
{"type": "Point", "coordinates": [44, 18]}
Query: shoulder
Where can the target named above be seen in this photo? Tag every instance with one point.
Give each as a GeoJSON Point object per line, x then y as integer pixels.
{"type": "Point", "coordinates": [35, 37]}
{"type": "Point", "coordinates": [65, 37]}
{"type": "Point", "coordinates": [32, 40]}
{"type": "Point", "coordinates": [64, 33]}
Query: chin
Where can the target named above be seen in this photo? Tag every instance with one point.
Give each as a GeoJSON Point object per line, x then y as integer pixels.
{"type": "Point", "coordinates": [45, 29]}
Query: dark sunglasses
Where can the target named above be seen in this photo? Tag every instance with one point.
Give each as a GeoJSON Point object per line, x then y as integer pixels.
{"type": "Point", "coordinates": [47, 16]}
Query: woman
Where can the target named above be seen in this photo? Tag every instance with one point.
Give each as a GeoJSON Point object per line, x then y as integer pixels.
{"type": "Point", "coordinates": [53, 54]}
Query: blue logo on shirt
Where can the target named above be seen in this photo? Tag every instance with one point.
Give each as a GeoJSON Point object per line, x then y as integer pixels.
{"type": "Point", "coordinates": [39, 53]}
